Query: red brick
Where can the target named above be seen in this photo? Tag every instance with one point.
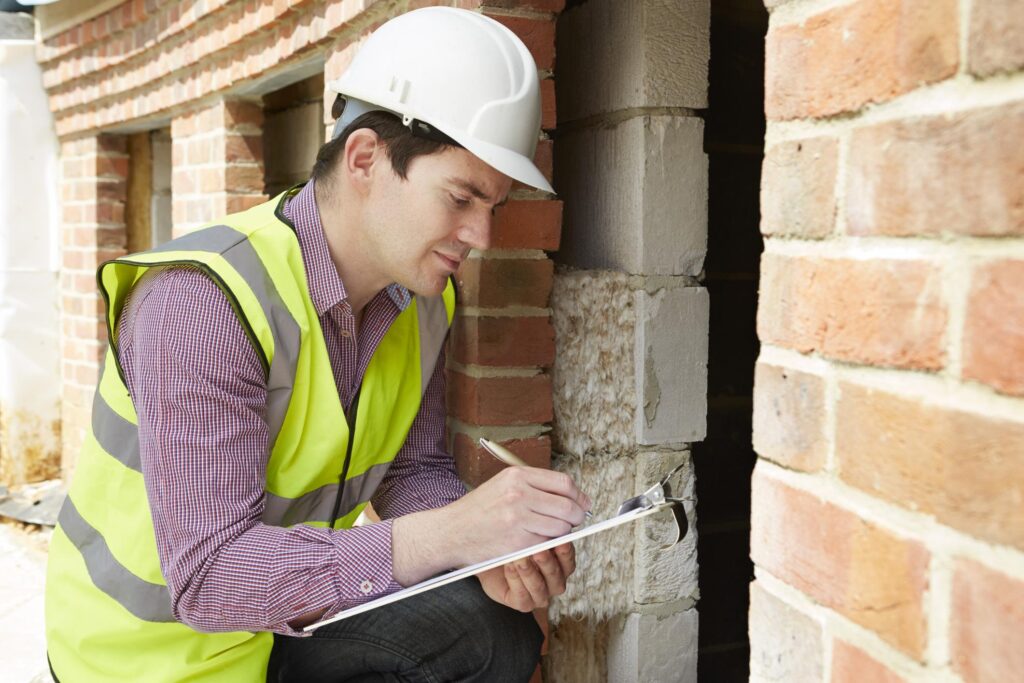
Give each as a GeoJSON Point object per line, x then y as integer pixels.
{"type": "Point", "coordinates": [495, 283]}
{"type": "Point", "coordinates": [210, 180]}
{"type": "Point", "coordinates": [112, 166]}
{"type": "Point", "coordinates": [964, 468]}
{"type": "Point", "coordinates": [798, 188]}
{"type": "Point", "coordinates": [785, 643]}
{"type": "Point", "coordinates": [111, 144]}
{"type": "Point", "coordinates": [109, 212]}
{"type": "Point", "coordinates": [239, 113]}
{"type": "Point", "coordinates": [549, 114]}
{"type": "Point", "coordinates": [864, 572]}
{"type": "Point", "coordinates": [994, 327]}
{"type": "Point", "coordinates": [544, 160]}
{"type": "Point", "coordinates": [500, 400]}
{"type": "Point", "coordinates": [244, 178]}
{"type": "Point", "coordinates": [879, 312]}
{"type": "Point", "coordinates": [241, 202]}
{"type": "Point", "coordinates": [115, 190]}
{"type": "Point", "coordinates": [538, 5]}
{"type": "Point", "coordinates": [243, 148]}
{"type": "Point", "coordinates": [87, 374]}
{"type": "Point", "coordinates": [528, 224]}
{"type": "Point", "coordinates": [184, 181]}
{"type": "Point", "coordinates": [202, 151]}
{"type": "Point", "coordinates": [996, 40]}
{"type": "Point", "coordinates": [877, 50]}
{"type": "Point", "coordinates": [852, 665]}
{"type": "Point", "coordinates": [987, 624]}
{"type": "Point", "coordinates": [537, 34]}
{"type": "Point", "coordinates": [789, 417]}
{"type": "Point", "coordinates": [951, 174]}
{"type": "Point", "coordinates": [475, 465]}
{"type": "Point", "coordinates": [504, 341]}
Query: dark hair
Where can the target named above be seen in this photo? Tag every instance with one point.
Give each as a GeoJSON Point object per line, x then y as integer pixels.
{"type": "Point", "coordinates": [400, 145]}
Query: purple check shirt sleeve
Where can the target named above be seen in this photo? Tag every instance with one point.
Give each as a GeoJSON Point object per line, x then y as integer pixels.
{"type": "Point", "coordinates": [200, 395]}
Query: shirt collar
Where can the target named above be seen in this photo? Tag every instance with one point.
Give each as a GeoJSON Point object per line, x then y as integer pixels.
{"type": "Point", "coordinates": [325, 285]}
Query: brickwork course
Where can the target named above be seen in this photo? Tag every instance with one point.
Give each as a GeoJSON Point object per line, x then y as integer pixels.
{"type": "Point", "coordinates": [889, 402]}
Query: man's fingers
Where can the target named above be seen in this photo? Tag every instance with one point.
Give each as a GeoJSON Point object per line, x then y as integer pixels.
{"type": "Point", "coordinates": [533, 581]}
{"type": "Point", "coordinates": [558, 483]}
{"type": "Point", "coordinates": [551, 569]}
{"type": "Point", "coordinates": [518, 597]}
{"type": "Point", "coordinates": [566, 555]}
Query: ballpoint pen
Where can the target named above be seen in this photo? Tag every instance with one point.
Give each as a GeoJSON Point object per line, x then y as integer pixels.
{"type": "Point", "coordinates": [509, 458]}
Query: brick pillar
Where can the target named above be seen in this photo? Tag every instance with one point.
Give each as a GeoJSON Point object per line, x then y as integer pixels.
{"type": "Point", "coordinates": [887, 527]}
{"type": "Point", "coordinates": [218, 162]}
{"type": "Point", "coordinates": [93, 192]}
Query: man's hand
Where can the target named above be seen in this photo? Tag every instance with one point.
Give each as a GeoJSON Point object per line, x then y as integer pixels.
{"type": "Point", "coordinates": [530, 583]}
{"type": "Point", "coordinates": [517, 508]}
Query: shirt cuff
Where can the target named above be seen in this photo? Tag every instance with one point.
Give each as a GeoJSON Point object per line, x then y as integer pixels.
{"type": "Point", "coordinates": [365, 569]}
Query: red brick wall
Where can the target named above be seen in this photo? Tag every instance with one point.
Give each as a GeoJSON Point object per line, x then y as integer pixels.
{"type": "Point", "coordinates": [93, 193]}
{"type": "Point", "coordinates": [887, 522]}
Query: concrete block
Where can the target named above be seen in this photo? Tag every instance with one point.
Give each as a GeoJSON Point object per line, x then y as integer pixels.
{"type": "Point", "coordinates": [635, 196]}
{"type": "Point", "coordinates": [665, 575]}
{"type": "Point", "coordinates": [630, 364]}
{"type": "Point", "coordinates": [602, 586]}
{"type": "Point", "coordinates": [615, 55]}
{"type": "Point", "coordinates": [785, 644]}
{"type": "Point", "coordinates": [592, 380]}
{"type": "Point", "coordinates": [654, 648]}
{"type": "Point", "coordinates": [671, 357]}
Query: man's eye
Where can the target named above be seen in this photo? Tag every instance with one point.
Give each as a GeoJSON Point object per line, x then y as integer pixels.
{"type": "Point", "coordinates": [460, 201]}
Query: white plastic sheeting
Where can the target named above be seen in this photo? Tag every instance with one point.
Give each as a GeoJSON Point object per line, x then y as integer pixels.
{"type": "Point", "coordinates": [29, 260]}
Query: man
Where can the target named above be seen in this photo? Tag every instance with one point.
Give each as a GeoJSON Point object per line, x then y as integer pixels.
{"type": "Point", "coordinates": [270, 375]}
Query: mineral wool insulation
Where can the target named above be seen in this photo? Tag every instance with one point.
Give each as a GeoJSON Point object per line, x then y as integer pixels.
{"type": "Point", "coordinates": [594, 387]}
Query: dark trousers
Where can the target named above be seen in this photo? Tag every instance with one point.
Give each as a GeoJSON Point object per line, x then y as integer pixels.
{"type": "Point", "coordinates": [453, 633]}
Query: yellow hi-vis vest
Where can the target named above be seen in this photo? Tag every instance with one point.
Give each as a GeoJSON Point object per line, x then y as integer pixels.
{"type": "Point", "coordinates": [108, 609]}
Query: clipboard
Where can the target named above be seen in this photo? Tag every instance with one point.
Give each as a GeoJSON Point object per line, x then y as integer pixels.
{"type": "Point", "coordinates": [653, 500]}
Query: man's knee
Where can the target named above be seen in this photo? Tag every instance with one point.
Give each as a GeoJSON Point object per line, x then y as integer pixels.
{"type": "Point", "coordinates": [500, 643]}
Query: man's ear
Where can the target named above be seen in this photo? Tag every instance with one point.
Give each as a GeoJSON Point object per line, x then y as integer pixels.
{"type": "Point", "coordinates": [363, 151]}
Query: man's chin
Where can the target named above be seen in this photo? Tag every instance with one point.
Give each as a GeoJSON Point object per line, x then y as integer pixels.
{"type": "Point", "coordinates": [428, 288]}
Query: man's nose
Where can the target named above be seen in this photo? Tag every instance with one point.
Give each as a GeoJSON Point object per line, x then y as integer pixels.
{"type": "Point", "coordinates": [476, 230]}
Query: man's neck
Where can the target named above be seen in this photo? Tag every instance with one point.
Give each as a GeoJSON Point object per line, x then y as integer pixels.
{"type": "Point", "coordinates": [341, 230]}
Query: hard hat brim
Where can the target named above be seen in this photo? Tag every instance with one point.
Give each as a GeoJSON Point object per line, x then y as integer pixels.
{"type": "Point", "coordinates": [503, 160]}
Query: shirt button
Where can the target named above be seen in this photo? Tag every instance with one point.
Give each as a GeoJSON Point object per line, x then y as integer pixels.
{"type": "Point", "coordinates": [346, 334]}
{"type": "Point", "coordinates": [366, 587]}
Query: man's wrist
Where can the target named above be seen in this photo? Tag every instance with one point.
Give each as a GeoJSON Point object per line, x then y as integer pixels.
{"type": "Point", "coordinates": [422, 545]}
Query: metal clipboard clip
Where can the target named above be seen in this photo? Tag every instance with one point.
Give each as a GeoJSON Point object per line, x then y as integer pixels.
{"type": "Point", "coordinates": [659, 494]}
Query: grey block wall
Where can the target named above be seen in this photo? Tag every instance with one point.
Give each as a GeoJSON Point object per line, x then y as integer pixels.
{"type": "Point", "coordinates": [631, 324]}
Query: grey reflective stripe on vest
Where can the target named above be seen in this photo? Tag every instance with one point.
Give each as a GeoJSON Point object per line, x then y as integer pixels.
{"type": "Point", "coordinates": [147, 601]}
{"type": "Point", "coordinates": [316, 506]}
{"type": "Point", "coordinates": [432, 317]}
{"type": "Point", "coordinates": [236, 250]}
{"type": "Point", "coordinates": [116, 435]}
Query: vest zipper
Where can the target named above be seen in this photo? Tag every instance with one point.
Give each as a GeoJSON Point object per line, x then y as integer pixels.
{"type": "Point", "coordinates": [350, 418]}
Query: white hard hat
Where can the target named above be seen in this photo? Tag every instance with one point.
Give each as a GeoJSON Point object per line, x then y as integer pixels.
{"type": "Point", "coordinates": [458, 72]}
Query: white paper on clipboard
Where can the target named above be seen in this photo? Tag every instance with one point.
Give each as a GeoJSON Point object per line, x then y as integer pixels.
{"type": "Point", "coordinates": [479, 567]}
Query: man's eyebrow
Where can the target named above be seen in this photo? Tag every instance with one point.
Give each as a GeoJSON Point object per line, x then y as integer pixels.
{"type": "Point", "coordinates": [474, 190]}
